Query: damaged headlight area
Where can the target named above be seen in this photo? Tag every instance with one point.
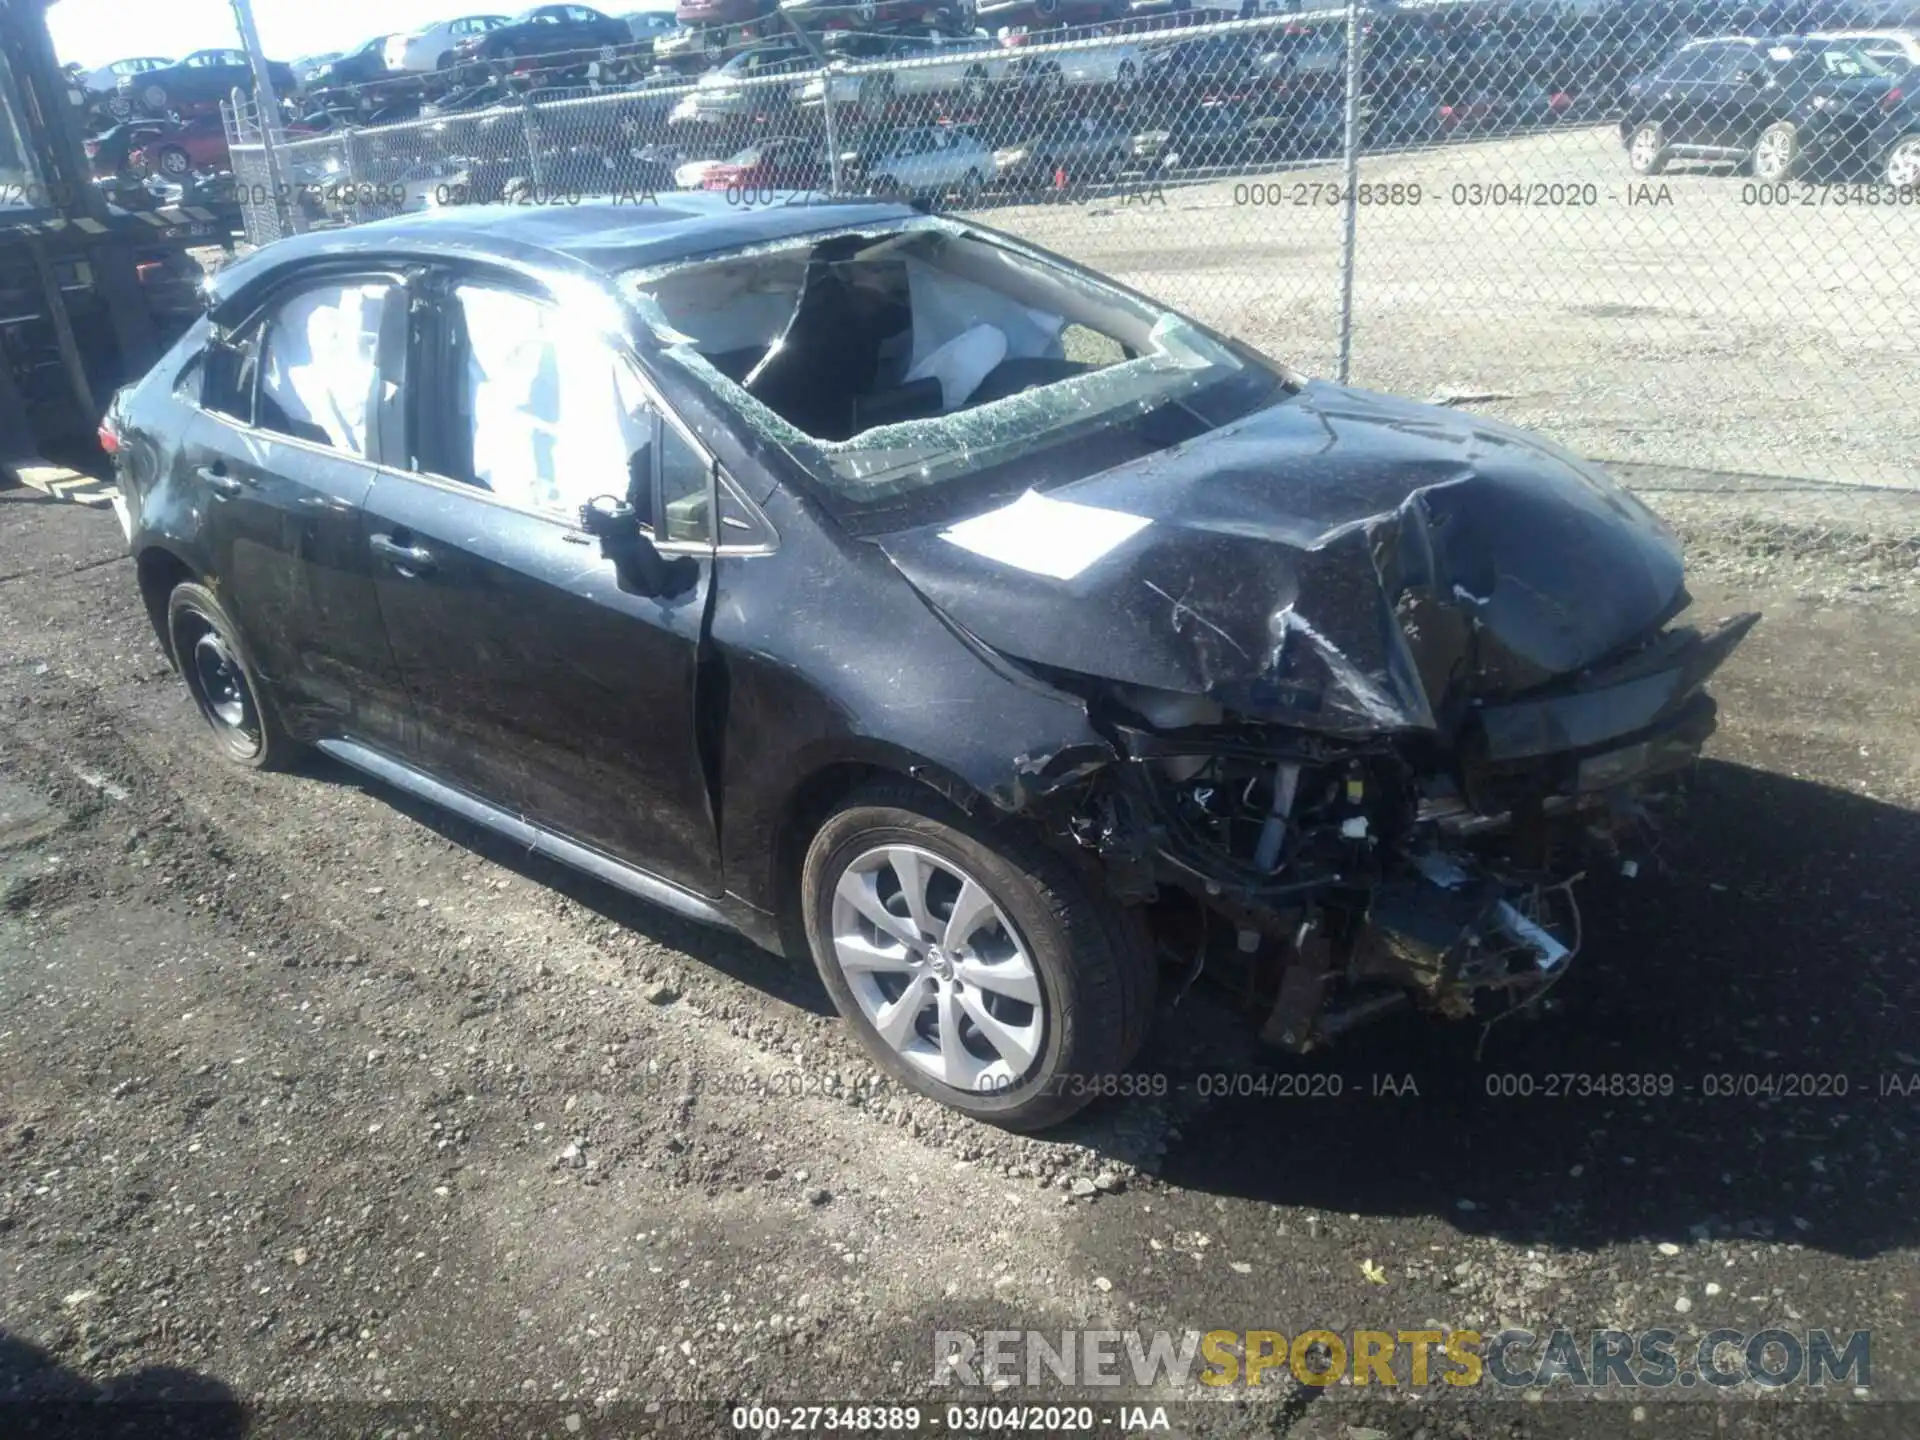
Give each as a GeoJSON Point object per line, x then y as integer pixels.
{"type": "Point", "coordinates": [1329, 880]}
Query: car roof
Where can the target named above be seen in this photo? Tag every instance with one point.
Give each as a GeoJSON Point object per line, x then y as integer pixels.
{"type": "Point", "coordinates": [604, 237]}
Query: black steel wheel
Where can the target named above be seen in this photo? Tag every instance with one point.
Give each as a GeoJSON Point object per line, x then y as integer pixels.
{"type": "Point", "coordinates": [213, 660]}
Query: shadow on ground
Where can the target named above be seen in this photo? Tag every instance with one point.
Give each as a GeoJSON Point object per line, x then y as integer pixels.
{"type": "Point", "coordinates": [39, 1397]}
{"type": "Point", "coordinates": [730, 954]}
{"type": "Point", "coordinates": [1763, 970]}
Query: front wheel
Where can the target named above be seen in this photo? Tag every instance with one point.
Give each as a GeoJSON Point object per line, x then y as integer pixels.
{"type": "Point", "coordinates": [1903, 163]}
{"type": "Point", "coordinates": [223, 681]}
{"type": "Point", "coordinates": [976, 967]}
{"type": "Point", "coordinates": [1776, 154]}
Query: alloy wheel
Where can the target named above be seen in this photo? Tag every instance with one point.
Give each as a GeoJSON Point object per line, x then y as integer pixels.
{"type": "Point", "coordinates": [937, 969]}
{"type": "Point", "coordinates": [1645, 150]}
{"type": "Point", "coordinates": [1903, 164]}
{"type": "Point", "coordinates": [1773, 156]}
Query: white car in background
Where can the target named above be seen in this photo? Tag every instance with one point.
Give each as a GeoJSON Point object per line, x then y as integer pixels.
{"type": "Point", "coordinates": [434, 47]}
{"type": "Point", "coordinates": [1898, 48]}
{"type": "Point", "coordinates": [1117, 65]}
{"type": "Point", "coordinates": [966, 64]}
{"type": "Point", "coordinates": [931, 160]}
{"type": "Point", "coordinates": [105, 81]}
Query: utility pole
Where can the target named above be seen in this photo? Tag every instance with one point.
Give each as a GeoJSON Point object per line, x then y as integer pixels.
{"type": "Point", "coordinates": [267, 111]}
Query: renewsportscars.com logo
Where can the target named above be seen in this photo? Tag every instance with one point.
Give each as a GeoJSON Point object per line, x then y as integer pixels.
{"type": "Point", "coordinates": [1513, 1359]}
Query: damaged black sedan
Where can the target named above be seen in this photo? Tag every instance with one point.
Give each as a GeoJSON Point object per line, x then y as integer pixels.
{"type": "Point", "coordinates": [897, 593]}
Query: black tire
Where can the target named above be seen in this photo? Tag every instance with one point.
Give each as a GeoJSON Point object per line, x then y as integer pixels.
{"type": "Point", "coordinates": [445, 62]}
{"type": "Point", "coordinates": [1649, 158]}
{"type": "Point", "coordinates": [1091, 957]}
{"type": "Point", "coordinates": [224, 683]}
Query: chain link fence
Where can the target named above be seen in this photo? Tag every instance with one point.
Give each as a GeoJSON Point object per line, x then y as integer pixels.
{"type": "Point", "coordinates": [1683, 235]}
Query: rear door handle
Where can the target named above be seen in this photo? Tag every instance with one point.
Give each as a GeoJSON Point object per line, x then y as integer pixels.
{"type": "Point", "coordinates": [404, 557]}
{"type": "Point", "coordinates": [220, 480]}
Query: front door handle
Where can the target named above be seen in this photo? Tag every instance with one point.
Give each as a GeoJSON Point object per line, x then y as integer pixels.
{"type": "Point", "coordinates": [405, 558]}
{"type": "Point", "coordinates": [221, 482]}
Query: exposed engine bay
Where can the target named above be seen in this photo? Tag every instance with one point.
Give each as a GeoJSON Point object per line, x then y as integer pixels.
{"type": "Point", "coordinates": [1329, 880]}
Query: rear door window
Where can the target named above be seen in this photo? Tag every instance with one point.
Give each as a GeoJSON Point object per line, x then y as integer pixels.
{"type": "Point", "coordinates": [320, 377]}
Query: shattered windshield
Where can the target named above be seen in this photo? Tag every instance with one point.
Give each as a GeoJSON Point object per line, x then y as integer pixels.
{"type": "Point", "coordinates": [891, 359]}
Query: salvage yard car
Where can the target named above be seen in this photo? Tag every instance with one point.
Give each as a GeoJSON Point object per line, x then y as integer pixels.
{"type": "Point", "coordinates": [1782, 107]}
{"type": "Point", "coordinates": [905, 596]}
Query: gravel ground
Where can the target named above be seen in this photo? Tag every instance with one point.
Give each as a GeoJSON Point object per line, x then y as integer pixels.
{"type": "Point", "coordinates": [313, 1098]}
{"type": "Point", "coordinates": [1681, 325]}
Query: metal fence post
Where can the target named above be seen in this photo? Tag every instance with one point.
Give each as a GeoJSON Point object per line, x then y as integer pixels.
{"type": "Point", "coordinates": [827, 78]}
{"type": "Point", "coordinates": [1350, 186]}
{"type": "Point", "coordinates": [530, 132]}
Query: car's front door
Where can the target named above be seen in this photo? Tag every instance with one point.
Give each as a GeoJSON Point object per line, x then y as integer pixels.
{"type": "Point", "coordinates": [539, 682]}
{"type": "Point", "coordinates": [297, 403]}
{"type": "Point", "coordinates": [1684, 93]}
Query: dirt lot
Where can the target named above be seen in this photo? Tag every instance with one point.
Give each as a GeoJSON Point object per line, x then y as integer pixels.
{"type": "Point", "coordinates": [310, 1097]}
{"type": "Point", "coordinates": [1684, 324]}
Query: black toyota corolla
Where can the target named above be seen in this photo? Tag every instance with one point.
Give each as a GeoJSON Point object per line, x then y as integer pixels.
{"type": "Point", "coordinates": [898, 593]}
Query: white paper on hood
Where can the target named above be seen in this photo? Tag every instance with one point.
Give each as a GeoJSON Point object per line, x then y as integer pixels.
{"type": "Point", "coordinates": [1044, 536]}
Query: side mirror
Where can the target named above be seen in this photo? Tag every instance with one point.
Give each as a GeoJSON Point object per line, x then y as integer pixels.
{"type": "Point", "coordinates": [640, 569]}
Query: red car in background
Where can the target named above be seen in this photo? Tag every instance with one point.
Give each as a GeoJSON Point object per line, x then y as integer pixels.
{"type": "Point", "coordinates": [786, 162]}
{"type": "Point", "coordinates": [178, 150]}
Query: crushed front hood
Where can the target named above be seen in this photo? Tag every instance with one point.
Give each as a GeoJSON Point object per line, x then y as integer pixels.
{"type": "Point", "coordinates": [1342, 561]}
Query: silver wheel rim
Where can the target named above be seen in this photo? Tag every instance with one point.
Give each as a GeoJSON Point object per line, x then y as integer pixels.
{"type": "Point", "coordinates": [937, 968]}
{"type": "Point", "coordinates": [1772, 156]}
{"type": "Point", "coordinates": [1903, 164]}
{"type": "Point", "coordinates": [1646, 145]}
{"type": "Point", "coordinates": [174, 162]}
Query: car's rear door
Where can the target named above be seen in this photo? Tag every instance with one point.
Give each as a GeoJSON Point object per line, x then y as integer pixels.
{"type": "Point", "coordinates": [297, 403]}
{"type": "Point", "coordinates": [539, 683]}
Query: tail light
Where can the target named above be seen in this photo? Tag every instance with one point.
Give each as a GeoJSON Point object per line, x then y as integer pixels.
{"type": "Point", "coordinates": [1890, 101]}
{"type": "Point", "coordinates": [147, 269]}
{"type": "Point", "coordinates": [109, 438]}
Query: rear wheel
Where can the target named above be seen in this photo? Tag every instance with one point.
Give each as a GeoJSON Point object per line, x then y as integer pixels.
{"type": "Point", "coordinates": [223, 682]}
{"type": "Point", "coordinates": [975, 965]}
{"type": "Point", "coordinates": [174, 161]}
{"type": "Point", "coordinates": [445, 62]}
{"type": "Point", "coordinates": [970, 188]}
{"type": "Point", "coordinates": [1647, 150]}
